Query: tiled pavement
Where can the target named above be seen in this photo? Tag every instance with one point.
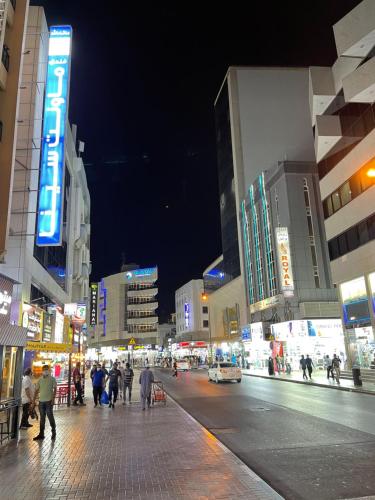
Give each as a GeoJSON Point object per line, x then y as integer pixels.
{"type": "Point", "coordinates": [125, 453]}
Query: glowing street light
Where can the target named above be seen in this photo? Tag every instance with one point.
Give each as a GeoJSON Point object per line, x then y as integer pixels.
{"type": "Point", "coordinates": [371, 172]}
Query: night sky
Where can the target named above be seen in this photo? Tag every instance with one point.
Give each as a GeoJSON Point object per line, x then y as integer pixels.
{"type": "Point", "coordinates": [143, 82]}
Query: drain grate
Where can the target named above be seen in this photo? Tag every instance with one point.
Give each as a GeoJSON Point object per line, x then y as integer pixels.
{"type": "Point", "coordinates": [223, 430]}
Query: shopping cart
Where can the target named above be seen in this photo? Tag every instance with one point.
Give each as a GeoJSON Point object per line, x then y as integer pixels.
{"type": "Point", "coordinates": [158, 394]}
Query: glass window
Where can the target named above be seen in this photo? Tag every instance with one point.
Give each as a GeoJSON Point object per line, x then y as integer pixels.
{"type": "Point", "coordinates": [345, 193]}
{"type": "Point", "coordinates": [328, 207]}
{"type": "Point", "coordinates": [309, 223]}
{"type": "Point", "coordinates": [313, 256]}
{"type": "Point", "coordinates": [333, 247]}
{"type": "Point", "coordinates": [205, 310]}
{"type": "Point", "coordinates": [343, 245]}
{"type": "Point", "coordinates": [352, 238]}
{"type": "Point", "coordinates": [8, 371]}
{"type": "Point", "coordinates": [205, 323]}
{"type": "Point", "coordinates": [336, 202]}
{"type": "Point", "coordinates": [363, 233]}
{"type": "Point", "coordinates": [355, 185]}
{"type": "Point", "coordinates": [307, 201]}
{"type": "Point", "coordinates": [371, 227]}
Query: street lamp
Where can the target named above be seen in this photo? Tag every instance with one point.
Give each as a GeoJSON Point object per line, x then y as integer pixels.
{"type": "Point", "coordinates": [371, 173]}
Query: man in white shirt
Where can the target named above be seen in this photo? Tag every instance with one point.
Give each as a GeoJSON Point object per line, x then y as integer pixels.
{"type": "Point", "coordinates": [28, 391]}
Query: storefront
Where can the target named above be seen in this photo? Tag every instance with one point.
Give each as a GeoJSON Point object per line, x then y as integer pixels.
{"type": "Point", "coordinates": [358, 307]}
{"type": "Point", "coordinates": [12, 343]}
{"type": "Point", "coordinates": [317, 338]}
{"type": "Point", "coordinates": [256, 349]}
{"type": "Point", "coordinates": [195, 352]}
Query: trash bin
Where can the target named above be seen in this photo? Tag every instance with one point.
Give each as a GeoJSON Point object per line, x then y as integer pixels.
{"type": "Point", "coordinates": [357, 377]}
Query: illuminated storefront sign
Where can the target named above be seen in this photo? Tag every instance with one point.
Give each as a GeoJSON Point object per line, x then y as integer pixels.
{"type": "Point", "coordinates": [32, 319]}
{"type": "Point", "coordinates": [256, 332]}
{"type": "Point", "coordinates": [150, 273]}
{"type": "Point", "coordinates": [47, 327]}
{"type": "Point", "coordinates": [5, 301]}
{"type": "Point", "coordinates": [59, 327]}
{"type": "Point", "coordinates": [48, 347]}
{"type": "Point", "coordinates": [266, 303]}
{"type": "Point", "coordinates": [51, 188]}
{"type": "Point", "coordinates": [93, 304]}
{"type": "Point", "coordinates": [245, 333]}
{"type": "Point", "coordinates": [355, 303]}
{"type": "Point", "coordinates": [284, 259]}
{"type": "Point", "coordinates": [187, 314]}
{"type": "Point", "coordinates": [70, 309]}
{"type": "Point", "coordinates": [317, 328]}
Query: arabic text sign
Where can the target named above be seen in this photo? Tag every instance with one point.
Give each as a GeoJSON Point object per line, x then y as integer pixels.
{"type": "Point", "coordinates": [48, 347]}
{"type": "Point", "coordinates": [284, 259]}
{"type": "Point", "coordinates": [51, 187]}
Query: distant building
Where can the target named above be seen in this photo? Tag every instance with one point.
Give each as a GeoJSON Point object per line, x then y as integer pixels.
{"type": "Point", "coordinates": [126, 315]}
{"type": "Point", "coordinates": [343, 120]}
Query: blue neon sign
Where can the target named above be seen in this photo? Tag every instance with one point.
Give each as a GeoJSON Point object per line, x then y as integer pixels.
{"type": "Point", "coordinates": [51, 184]}
{"type": "Point", "coordinates": [141, 273]}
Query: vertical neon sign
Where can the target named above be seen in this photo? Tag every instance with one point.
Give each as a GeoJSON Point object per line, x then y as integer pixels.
{"type": "Point", "coordinates": [51, 184]}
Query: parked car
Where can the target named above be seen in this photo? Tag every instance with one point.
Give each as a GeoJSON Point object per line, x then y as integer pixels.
{"type": "Point", "coordinates": [183, 365]}
{"type": "Point", "coordinates": [221, 371]}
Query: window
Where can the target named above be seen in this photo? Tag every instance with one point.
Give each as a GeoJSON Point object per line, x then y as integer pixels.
{"type": "Point", "coordinates": [345, 193]}
{"type": "Point", "coordinates": [327, 207]}
{"type": "Point", "coordinates": [205, 323]}
{"type": "Point", "coordinates": [353, 238]}
{"type": "Point", "coordinates": [205, 310]}
{"type": "Point", "coordinates": [336, 202]}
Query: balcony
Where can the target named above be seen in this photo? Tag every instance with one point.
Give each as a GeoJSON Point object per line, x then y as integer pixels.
{"type": "Point", "coordinates": [151, 292]}
{"type": "Point", "coordinates": [149, 306]}
{"type": "Point", "coordinates": [359, 86]}
{"type": "Point", "coordinates": [152, 320]}
{"type": "Point", "coordinates": [333, 134]}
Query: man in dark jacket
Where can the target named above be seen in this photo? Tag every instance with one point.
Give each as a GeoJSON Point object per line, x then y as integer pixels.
{"type": "Point", "coordinates": [98, 382]}
{"type": "Point", "coordinates": [114, 376]}
{"type": "Point", "coordinates": [303, 366]}
{"type": "Point", "coordinates": [309, 365]}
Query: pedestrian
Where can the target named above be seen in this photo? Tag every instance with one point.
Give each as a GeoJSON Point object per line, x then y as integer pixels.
{"type": "Point", "coordinates": [336, 362]}
{"type": "Point", "coordinates": [114, 376]}
{"type": "Point", "coordinates": [302, 364]}
{"type": "Point", "coordinates": [128, 382]}
{"type": "Point", "coordinates": [28, 391]}
{"type": "Point", "coordinates": [121, 379]}
{"type": "Point", "coordinates": [174, 369]}
{"type": "Point", "coordinates": [77, 379]}
{"type": "Point", "coordinates": [309, 365]}
{"type": "Point", "coordinates": [271, 370]}
{"type": "Point", "coordinates": [92, 371]}
{"type": "Point", "coordinates": [46, 390]}
{"type": "Point", "coordinates": [328, 365]}
{"type": "Point", "coordinates": [145, 379]}
{"type": "Point", "coordinates": [98, 380]}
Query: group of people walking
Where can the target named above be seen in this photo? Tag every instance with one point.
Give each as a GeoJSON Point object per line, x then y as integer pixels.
{"type": "Point", "coordinates": [120, 380]}
{"type": "Point", "coordinates": [332, 365]}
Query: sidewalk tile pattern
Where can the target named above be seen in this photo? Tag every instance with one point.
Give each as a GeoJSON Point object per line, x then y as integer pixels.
{"type": "Point", "coordinates": [126, 453]}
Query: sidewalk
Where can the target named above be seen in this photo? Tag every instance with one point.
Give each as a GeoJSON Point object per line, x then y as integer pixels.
{"type": "Point", "coordinates": [319, 378]}
{"type": "Point", "coordinates": [161, 453]}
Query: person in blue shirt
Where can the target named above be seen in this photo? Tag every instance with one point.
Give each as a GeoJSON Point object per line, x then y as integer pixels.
{"type": "Point", "coordinates": [98, 380]}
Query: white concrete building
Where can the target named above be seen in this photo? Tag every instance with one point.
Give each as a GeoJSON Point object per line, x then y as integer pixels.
{"type": "Point", "coordinates": [47, 274]}
{"type": "Point", "coordinates": [192, 315]}
{"type": "Point", "coordinates": [343, 119]}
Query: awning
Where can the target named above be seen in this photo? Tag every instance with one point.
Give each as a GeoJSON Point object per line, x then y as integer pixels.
{"type": "Point", "coordinates": [13, 335]}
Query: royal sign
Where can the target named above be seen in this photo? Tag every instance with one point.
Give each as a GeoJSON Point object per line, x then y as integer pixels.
{"type": "Point", "coordinates": [284, 259]}
{"type": "Point", "coordinates": [51, 185]}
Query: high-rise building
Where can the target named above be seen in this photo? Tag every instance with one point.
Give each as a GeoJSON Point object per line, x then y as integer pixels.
{"type": "Point", "coordinates": [125, 315]}
{"type": "Point", "coordinates": [262, 118]}
{"type": "Point", "coordinates": [343, 120]}
{"type": "Point", "coordinates": [12, 26]}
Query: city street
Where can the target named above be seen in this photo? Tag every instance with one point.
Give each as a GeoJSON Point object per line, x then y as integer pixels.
{"type": "Point", "coordinates": [305, 441]}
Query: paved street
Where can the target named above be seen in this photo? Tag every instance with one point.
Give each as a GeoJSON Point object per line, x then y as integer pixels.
{"type": "Point", "coordinates": [307, 442]}
{"type": "Point", "coordinates": [100, 453]}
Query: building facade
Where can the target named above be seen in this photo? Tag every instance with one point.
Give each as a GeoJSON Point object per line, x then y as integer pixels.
{"type": "Point", "coordinates": [12, 28]}
{"type": "Point", "coordinates": [343, 120]}
{"type": "Point", "coordinates": [125, 320]}
{"type": "Point", "coordinates": [290, 295]}
{"type": "Point", "coordinates": [262, 118]}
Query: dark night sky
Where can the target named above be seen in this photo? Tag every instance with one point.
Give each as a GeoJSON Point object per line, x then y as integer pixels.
{"type": "Point", "coordinates": [143, 82]}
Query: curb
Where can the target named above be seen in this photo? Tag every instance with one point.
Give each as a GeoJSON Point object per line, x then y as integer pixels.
{"type": "Point", "coordinates": [245, 468]}
{"type": "Point", "coordinates": [326, 386]}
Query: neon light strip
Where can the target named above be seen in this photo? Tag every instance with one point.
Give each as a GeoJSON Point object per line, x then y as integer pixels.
{"type": "Point", "coordinates": [258, 254]}
{"type": "Point", "coordinates": [267, 237]}
{"type": "Point", "coordinates": [249, 270]}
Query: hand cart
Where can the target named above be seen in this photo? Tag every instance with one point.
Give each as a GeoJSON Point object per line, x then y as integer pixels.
{"type": "Point", "coordinates": [158, 394]}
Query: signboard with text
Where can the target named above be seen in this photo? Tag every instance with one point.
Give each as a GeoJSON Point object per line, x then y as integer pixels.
{"type": "Point", "coordinates": [284, 259]}
{"type": "Point", "coordinates": [93, 303]}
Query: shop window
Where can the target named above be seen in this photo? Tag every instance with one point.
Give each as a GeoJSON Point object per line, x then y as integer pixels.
{"type": "Point", "coordinates": [8, 372]}
{"type": "Point", "coordinates": [345, 193]}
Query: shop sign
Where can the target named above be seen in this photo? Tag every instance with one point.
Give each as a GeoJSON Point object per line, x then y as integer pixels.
{"type": "Point", "coordinates": [289, 330]}
{"type": "Point", "coordinates": [317, 328]}
{"type": "Point", "coordinates": [48, 347]}
{"type": "Point", "coordinates": [47, 327]}
{"type": "Point", "coordinates": [32, 320]}
{"type": "Point", "coordinates": [256, 332]}
{"type": "Point", "coordinates": [93, 303]}
{"type": "Point", "coordinates": [58, 330]}
{"type": "Point", "coordinates": [266, 303]}
{"type": "Point", "coordinates": [70, 309]}
{"type": "Point", "coordinates": [284, 259]}
{"type": "Point", "coordinates": [5, 301]}
{"type": "Point", "coordinates": [187, 314]}
{"type": "Point", "coordinates": [80, 314]}
{"type": "Point", "coordinates": [245, 333]}
{"type": "Point", "coordinates": [150, 273]}
{"type": "Point", "coordinates": [51, 188]}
